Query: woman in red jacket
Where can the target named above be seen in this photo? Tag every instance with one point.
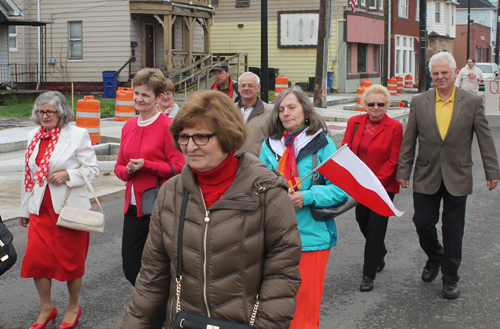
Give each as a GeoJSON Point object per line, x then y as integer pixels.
{"type": "Point", "coordinates": [146, 154]}
{"type": "Point", "coordinates": [375, 139]}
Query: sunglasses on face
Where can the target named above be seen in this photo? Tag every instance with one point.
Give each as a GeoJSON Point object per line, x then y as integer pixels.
{"type": "Point", "coordinates": [373, 104]}
{"type": "Point", "coordinates": [198, 139]}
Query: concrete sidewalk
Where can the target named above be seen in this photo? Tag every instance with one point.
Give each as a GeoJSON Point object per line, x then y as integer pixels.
{"type": "Point", "coordinates": [13, 144]}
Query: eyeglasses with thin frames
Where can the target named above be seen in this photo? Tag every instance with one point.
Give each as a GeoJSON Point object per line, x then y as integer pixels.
{"type": "Point", "coordinates": [198, 139]}
{"type": "Point", "coordinates": [249, 85]}
{"type": "Point", "coordinates": [42, 113]}
{"type": "Point", "coordinates": [373, 104]}
{"type": "Point", "coordinates": [168, 93]}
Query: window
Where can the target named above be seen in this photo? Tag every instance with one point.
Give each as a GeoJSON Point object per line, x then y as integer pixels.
{"type": "Point", "coordinates": [363, 3]}
{"type": "Point", "coordinates": [361, 57]}
{"type": "Point", "coordinates": [242, 3]}
{"type": "Point", "coordinates": [372, 4]}
{"type": "Point", "coordinates": [405, 68]}
{"type": "Point", "coordinates": [75, 49]}
{"type": "Point", "coordinates": [12, 38]}
{"type": "Point", "coordinates": [398, 41]}
{"type": "Point", "coordinates": [417, 12]}
{"type": "Point", "coordinates": [452, 9]}
{"type": "Point", "coordinates": [403, 8]}
{"type": "Point", "coordinates": [375, 58]}
{"type": "Point", "coordinates": [381, 5]}
{"type": "Point", "coordinates": [349, 57]}
{"type": "Point", "coordinates": [215, 3]}
{"type": "Point", "coordinates": [398, 53]}
{"type": "Point", "coordinates": [438, 12]}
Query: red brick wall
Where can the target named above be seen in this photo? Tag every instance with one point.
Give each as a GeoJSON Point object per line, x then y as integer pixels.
{"type": "Point", "coordinates": [477, 33]}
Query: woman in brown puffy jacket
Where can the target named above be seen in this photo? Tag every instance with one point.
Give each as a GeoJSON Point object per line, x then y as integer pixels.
{"type": "Point", "coordinates": [241, 247]}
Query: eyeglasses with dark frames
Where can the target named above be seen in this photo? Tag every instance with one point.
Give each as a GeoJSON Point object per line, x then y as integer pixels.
{"type": "Point", "coordinates": [42, 113]}
{"type": "Point", "coordinates": [198, 139]}
{"type": "Point", "coordinates": [373, 104]}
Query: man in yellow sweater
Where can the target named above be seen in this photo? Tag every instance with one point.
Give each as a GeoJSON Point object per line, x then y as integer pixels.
{"type": "Point", "coordinates": [443, 121]}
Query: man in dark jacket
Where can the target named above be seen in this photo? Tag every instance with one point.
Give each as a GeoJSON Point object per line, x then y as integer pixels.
{"type": "Point", "coordinates": [223, 81]}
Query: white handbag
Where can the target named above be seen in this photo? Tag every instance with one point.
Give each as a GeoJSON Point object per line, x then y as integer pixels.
{"type": "Point", "coordinates": [81, 219]}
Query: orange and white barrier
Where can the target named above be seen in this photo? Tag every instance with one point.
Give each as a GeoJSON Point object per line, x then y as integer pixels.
{"type": "Point", "coordinates": [360, 92]}
{"type": "Point", "coordinates": [88, 116]}
{"type": "Point", "coordinates": [400, 84]}
{"type": "Point", "coordinates": [392, 86]}
{"type": "Point", "coordinates": [408, 81]}
{"type": "Point", "coordinates": [281, 83]}
{"type": "Point", "coordinates": [125, 107]}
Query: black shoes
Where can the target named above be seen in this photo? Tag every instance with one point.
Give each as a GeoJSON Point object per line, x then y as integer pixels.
{"type": "Point", "coordinates": [366, 283]}
{"type": "Point", "coordinates": [381, 265]}
{"type": "Point", "coordinates": [431, 270]}
{"type": "Point", "coordinates": [450, 290]}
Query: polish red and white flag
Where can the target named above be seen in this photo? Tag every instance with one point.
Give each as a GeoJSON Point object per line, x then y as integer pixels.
{"type": "Point", "coordinates": [347, 171]}
{"type": "Point", "coordinates": [353, 6]}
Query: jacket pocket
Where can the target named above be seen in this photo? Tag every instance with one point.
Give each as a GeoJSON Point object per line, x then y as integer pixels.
{"type": "Point", "coordinates": [466, 162]}
{"type": "Point", "coordinates": [422, 161]}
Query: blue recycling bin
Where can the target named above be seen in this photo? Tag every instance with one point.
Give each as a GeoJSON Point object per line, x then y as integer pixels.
{"type": "Point", "coordinates": [110, 83]}
{"type": "Point", "coordinates": [329, 82]}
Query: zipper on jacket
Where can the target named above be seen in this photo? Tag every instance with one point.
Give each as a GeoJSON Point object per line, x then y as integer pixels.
{"type": "Point", "coordinates": [206, 220]}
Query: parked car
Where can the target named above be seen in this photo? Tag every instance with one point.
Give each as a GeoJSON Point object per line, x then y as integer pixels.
{"type": "Point", "coordinates": [490, 70]}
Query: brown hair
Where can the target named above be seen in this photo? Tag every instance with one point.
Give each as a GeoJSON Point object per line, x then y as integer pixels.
{"type": "Point", "coordinates": [169, 86]}
{"type": "Point", "coordinates": [215, 111]}
{"type": "Point", "coordinates": [316, 122]}
{"type": "Point", "coordinates": [152, 78]}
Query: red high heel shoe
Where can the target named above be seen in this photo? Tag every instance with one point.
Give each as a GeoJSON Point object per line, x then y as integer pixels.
{"type": "Point", "coordinates": [52, 316]}
{"type": "Point", "coordinates": [66, 325]}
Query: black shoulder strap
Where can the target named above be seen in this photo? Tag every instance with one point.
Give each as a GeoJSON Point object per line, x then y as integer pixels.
{"type": "Point", "coordinates": [181, 232]}
{"type": "Point", "coordinates": [354, 133]}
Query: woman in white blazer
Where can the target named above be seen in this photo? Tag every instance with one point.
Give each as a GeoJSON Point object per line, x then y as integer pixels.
{"type": "Point", "coordinates": [56, 150]}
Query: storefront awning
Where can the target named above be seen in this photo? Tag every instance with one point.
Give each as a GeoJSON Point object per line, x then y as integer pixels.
{"type": "Point", "coordinates": [362, 29]}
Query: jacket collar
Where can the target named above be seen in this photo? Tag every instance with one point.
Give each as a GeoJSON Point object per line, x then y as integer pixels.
{"type": "Point", "coordinates": [430, 105]}
{"type": "Point", "coordinates": [313, 144]}
{"type": "Point", "coordinates": [59, 149]}
{"type": "Point", "coordinates": [258, 109]}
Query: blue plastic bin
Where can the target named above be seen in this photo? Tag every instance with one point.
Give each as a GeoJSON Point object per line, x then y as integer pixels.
{"type": "Point", "coordinates": [329, 82]}
{"type": "Point", "coordinates": [110, 85]}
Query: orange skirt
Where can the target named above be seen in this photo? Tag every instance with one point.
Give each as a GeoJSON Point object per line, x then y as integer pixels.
{"type": "Point", "coordinates": [312, 271]}
{"type": "Point", "coordinates": [53, 252]}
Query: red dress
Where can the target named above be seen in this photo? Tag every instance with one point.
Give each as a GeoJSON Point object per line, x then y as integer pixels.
{"type": "Point", "coordinates": [53, 252]}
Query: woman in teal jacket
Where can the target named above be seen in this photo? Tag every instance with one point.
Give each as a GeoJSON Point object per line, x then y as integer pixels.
{"type": "Point", "coordinates": [296, 133]}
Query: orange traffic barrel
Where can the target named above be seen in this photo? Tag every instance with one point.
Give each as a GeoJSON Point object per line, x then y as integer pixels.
{"type": "Point", "coordinates": [392, 86]}
{"type": "Point", "coordinates": [125, 107]}
{"type": "Point", "coordinates": [281, 84]}
{"type": "Point", "coordinates": [360, 92]}
{"type": "Point", "coordinates": [417, 78]}
{"type": "Point", "coordinates": [408, 81]}
{"type": "Point", "coordinates": [400, 83]}
{"type": "Point", "coordinates": [88, 116]}
{"type": "Point", "coordinates": [366, 83]}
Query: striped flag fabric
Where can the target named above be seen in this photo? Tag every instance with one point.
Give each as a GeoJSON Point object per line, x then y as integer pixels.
{"type": "Point", "coordinates": [348, 172]}
{"type": "Point", "coordinates": [353, 6]}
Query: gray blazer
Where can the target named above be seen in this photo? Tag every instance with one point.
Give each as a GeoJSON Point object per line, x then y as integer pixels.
{"type": "Point", "coordinates": [447, 160]}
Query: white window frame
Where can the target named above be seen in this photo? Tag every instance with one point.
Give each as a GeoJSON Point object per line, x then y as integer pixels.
{"type": "Point", "coordinates": [452, 14]}
{"type": "Point", "coordinates": [72, 40]}
{"type": "Point", "coordinates": [14, 35]}
{"type": "Point", "coordinates": [381, 5]}
{"type": "Point", "coordinates": [404, 54]}
{"type": "Point", "coordinates": [417, 12]}
{"type": "Point", "coordinates": [363, 3]}
{"type": "Point", "coordinates": [403, 8]}
{"type": "Point", "coordinates": [374, 7]}
{"type": "Point", "coordinates": [437, 12]}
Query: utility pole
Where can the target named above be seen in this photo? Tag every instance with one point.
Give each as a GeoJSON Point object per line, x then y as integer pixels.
{"type": "Point", "coordinates": [264, 73]}
{"type": "Point", "coordinates": [387, 39]}
{"type": "Point", "coordinates": [468, 30]}
{"type": "Point", "coordinates": [497, 58]}
{"type": "Point", "coordinates": [325, 13]}
{"type": "Point", "coordinates": [423, 46]}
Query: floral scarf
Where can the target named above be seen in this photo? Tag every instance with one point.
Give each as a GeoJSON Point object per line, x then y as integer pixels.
{"type": "Point", "coordinates": [287, 166]}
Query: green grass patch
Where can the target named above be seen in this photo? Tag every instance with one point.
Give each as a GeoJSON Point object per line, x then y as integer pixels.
{"type": "Point", "coordinates": [22, 109]}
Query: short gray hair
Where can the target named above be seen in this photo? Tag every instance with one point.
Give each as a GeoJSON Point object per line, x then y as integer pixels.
{"type": "Point", "coordinates": [58, 102]}
{"type": "Point", "coordinates": [257, 79]}
{"type": "Point", "coordinates": [441, 56]}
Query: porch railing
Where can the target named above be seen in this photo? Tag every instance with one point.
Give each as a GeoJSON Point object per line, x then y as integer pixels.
{"type": "Point", "coordinates": [19, 76]}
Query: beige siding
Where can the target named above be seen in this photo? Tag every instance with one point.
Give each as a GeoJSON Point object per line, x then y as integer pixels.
{"type": "Point", "coordinates": [106, 38]}
{"type": "Point", "coordinates": [135, 35]}
{"type": "Point", "coordinates": [227, 12]}
{"type": "Point", "coordinates": [297, 64]}
{"type": "Point", "coordinates": [4, 44]}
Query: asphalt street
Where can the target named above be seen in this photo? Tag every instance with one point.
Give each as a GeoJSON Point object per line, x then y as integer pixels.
{"type": "Point", "coordinates": [399, 300]}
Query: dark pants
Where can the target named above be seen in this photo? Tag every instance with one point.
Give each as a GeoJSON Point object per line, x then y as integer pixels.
{"type": "Point", "coordinates": [426, 217]}
{"type": "Point", "coordinates": [373, 226]}
{"type": "Point", "coordinates": [135, 233]}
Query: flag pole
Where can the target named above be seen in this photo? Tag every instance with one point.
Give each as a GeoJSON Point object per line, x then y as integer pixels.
{"type": "Point", "coordinates": [315, 169]}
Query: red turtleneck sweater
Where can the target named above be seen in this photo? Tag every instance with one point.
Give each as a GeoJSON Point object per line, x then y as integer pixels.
{"type": "Point", "coordinates": [215, 182]}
